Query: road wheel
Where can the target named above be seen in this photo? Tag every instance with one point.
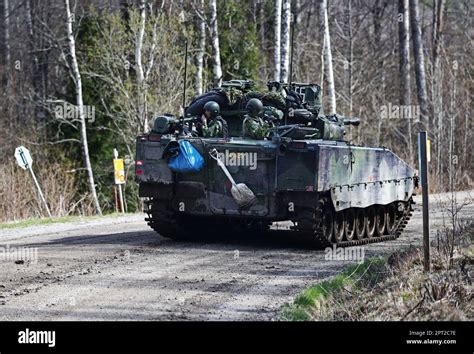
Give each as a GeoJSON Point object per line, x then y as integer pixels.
{"type": "Point", "coordinates": [327, 224]}
{"type": "Point", "coordinates": [390, 218]}
{"type": "Point", "coordinates": [350, 229]}
{"type": "Point", "coordinates": [360, 221]}
{"type": "Point", "coordinates": [370, 222]}
{"type": "Point", "coordinates": [380, 220]}
{"type": "Point", "coordinates": [339, 226]}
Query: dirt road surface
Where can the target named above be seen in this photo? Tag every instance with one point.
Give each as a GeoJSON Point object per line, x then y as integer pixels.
{"type": "Point", "coordinates": [116, 268]}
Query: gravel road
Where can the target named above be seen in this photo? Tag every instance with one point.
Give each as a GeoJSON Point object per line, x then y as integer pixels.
{"type": "Point", "coordinates": [116, 268]}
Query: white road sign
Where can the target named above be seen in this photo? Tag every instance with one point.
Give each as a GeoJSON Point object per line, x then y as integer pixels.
{"type": "Point", "coordinates": [24, 160]}
{"type": "Point", "coordinates": [23, 157]}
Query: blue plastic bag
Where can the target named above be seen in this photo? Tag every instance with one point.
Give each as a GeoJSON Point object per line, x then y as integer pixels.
{"type": "Point", "coordinates": [187, 160]}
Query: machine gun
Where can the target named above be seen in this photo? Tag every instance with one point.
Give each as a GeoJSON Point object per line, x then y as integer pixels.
{"type": "Point", "coordinates": [169, 124]}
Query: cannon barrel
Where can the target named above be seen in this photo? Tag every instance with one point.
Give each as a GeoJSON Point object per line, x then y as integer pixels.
{"type": "Point", "coordinates": [351, 121]}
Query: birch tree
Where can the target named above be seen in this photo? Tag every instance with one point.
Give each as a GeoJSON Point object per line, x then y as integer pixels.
{"type": "Point", "coordinates": [76, 75]}
{"type": "Point", "coordinates": [350, 55]}
{"type": "Point", "coordinates": [277, 40]}
{"type": "Point", "coordinates": [331, 91]}
{"type": "Point", "coordinates": [404, 66]}
{"type": "Point", "coordinates": [201, 43]}
{"type": "Point", "coordinates": [216, 56]}
{"type": "Point", "coordinates": [285, 40]}
{"type": "Point", "coordinates": [139, 68]}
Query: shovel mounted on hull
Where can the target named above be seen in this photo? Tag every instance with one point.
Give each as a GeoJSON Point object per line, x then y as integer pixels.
{"type": "Point", "coordinates": [242, 194]}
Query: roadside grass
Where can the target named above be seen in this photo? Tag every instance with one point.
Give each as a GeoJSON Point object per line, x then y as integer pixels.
{"type": "Point", "coordinates": [396, 288]}
{"type": "Point", "coordinates": [313, 298]}
{"type": "Point", "coordinates": [53, 220]}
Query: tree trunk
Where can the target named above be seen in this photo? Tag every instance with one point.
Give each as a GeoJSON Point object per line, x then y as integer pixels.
{"type": "Point", "coordinates": [80, 107]}
{"type": "Point", "coordinates": [437, 80]}
{"type": "Point", "coordinates": [404, 52]}
{"type": "Point", "coordinates": [262, 27]}
{"type": "Point", "coordinates": [377, 12]}
{"type": "Point", "coordinates": [285, 41]}
{"type": "Point", "coordinates": [6, 29]}
{"type": "Point", "coordinates": [6, 58]}
{"type": "Point", "coordinates": [350, 55]}
{"type": "Point", "coordinates": [277, 40]}
{"type": "Point", "coordinates": [331, 91]}
{"type": "Point", "coordinates": [201, 30]}
{"type": "Point", "coordinates": [452, 124]}
{"type": "Point", "coordinates": [404, 67]}
{"type": "Point", "coordinates": [419, 61]}
{"type": "Point", "coordinates": [39, 67]}
{"type": "Point", "coordinates": [262, 32]}
{"type": "Point", "coordinates": [216, 54]}
{"type": "Point", "coordinates": [139, 70]}
{"type": "Point", "coordinates": [296, 40]}
{"type": "Point", "coordinates": [308, 19]}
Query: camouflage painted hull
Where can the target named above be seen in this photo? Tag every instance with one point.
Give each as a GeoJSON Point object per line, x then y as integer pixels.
{"type": "Point", "coordinates": [327, 188]}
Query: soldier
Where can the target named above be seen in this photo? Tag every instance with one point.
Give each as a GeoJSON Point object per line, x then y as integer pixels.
{"type": "Point", "coordinates": [272, 113]}
{"type": "Point", "coordinates": [254, 126]}
{"type": "Point", "coordinates": [212, 125]}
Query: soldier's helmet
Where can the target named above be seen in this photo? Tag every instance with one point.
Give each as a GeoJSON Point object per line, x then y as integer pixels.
{"type": "Point", "coordinates": [254, 106]}
{"type": "Point", "coordinates": [212, 107]}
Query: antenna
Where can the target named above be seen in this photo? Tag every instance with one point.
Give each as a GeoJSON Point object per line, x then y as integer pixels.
{"type": "Point", "coordinates": [292, 28]}
{"type": "Point", "coordinates": [185, 73]}
{"type": "Point", "coordinates": [184, 87]}
{"type": "Point", "coordinates": [291, 55]}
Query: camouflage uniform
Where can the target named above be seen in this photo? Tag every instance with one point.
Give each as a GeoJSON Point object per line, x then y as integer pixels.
{"type": "Point", "coordinates": [255, 127]}
{"type": "Point", "coordinates": [213, 130]}
{"type": "Point", "coordinates": [217, 126]}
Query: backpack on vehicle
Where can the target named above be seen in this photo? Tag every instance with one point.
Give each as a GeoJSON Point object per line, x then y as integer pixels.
{"type": "Point", "coordinates": [225, 127]}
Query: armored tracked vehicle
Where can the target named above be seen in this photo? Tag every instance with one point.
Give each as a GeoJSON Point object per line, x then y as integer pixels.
{"type": "Point", "coordinates": [332, 191]}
